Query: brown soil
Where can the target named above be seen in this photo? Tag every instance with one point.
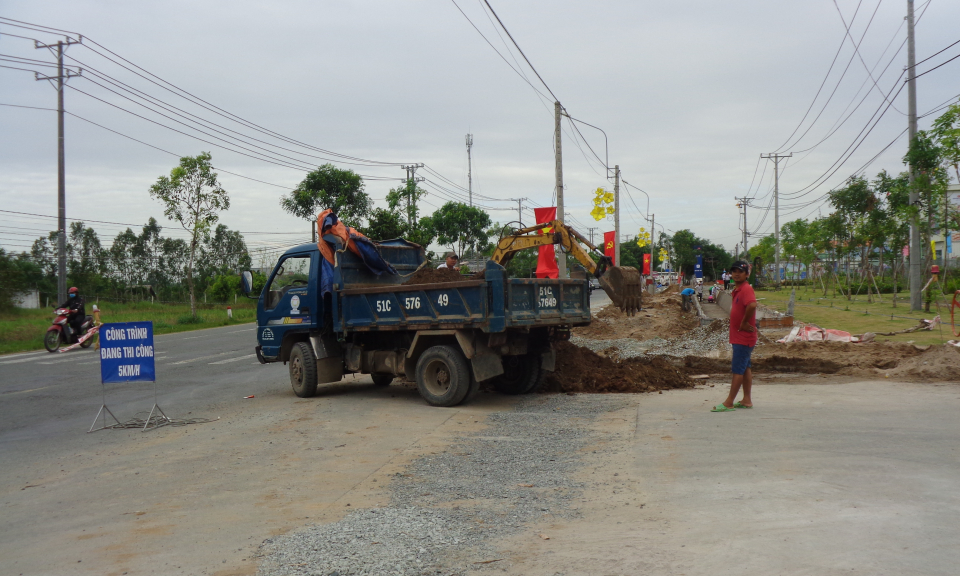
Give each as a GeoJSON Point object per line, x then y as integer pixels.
{"type": "Point", "coordinates": [936, 363]}
{"type": "Point", "coordinates": [580, 370]}
{"type": "Point", "coordinates": [435, 276]}
{"type": "Point", "coordinates": [661, 317]}
{"type": "Point", "coordinates": [895, 360]}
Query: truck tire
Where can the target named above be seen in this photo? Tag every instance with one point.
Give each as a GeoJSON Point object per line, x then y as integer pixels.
{"type": "Point", "coordinates": [303, 370]}
{"type": "Point", "coordinates": [521, 375]}
{"type": "Point", "coordinates": [382, 379]}
{"type": "Point", "coordinates": [443, 376]}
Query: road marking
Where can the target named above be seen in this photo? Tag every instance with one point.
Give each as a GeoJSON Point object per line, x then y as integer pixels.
{"type": "Point", "coordinates": [19, 360]}
{"type": "Point", "coordinates": [21, 355]}
{"type": "Point", "coordinates": [25, 391]}
{"type": "Point", "coordinates": [203, 358]}
{"type": "Point", "coordinates": [57, 361]}
{"type": "Point", "coordinates": [192, 337]}
{"type": "Point", "coordinates": [246, 357]}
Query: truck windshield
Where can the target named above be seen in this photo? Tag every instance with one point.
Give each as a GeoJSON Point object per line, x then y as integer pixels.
{"type": "Point", "coordinates": [292, 271]}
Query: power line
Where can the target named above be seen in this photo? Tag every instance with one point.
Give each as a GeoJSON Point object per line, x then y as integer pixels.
{"type": "Point", "coordinates": [492, 11]}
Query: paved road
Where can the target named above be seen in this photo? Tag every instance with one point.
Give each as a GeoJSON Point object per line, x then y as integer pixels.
{"type": "Point", "coordinates": [44, 396]}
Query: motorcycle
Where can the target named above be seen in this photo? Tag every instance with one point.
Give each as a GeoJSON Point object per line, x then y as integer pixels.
{"type": "Point", "coordinates": [61, 333]}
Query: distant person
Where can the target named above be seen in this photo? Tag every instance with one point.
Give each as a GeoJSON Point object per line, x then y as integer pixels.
{"type": "Point", "coordinates": [450, 263]}
{"type": "Point", "coordinates": [699, 289]}
{"type": "Point", "coordinates": [686, 297]}
{"type": "Point", "coordinates": [743, 337]}
{"type": "Point", "coordinates": [726, 279]}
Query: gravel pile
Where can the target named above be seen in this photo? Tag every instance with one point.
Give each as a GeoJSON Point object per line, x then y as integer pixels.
{"type": "Point", "coordinates": [447, 508]}
{"type": "Point", "coordinates": [697, 342]}
{"type": "Point", "coordinates": [626, 347]}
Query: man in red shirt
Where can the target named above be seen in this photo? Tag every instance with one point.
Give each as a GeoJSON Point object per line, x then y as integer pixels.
{"type": "Point", "coordinates": [743, 337]}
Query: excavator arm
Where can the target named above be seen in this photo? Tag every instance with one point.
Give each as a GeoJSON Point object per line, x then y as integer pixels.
{"type": "Point", "coordinates": [621, 283]}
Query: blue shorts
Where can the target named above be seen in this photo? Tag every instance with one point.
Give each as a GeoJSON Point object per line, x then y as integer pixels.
{"type": "Point", "coordinates": [741, 358]}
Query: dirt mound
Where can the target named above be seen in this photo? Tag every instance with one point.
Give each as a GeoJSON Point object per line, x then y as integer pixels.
{"type": "Point", "coordinates": [581, 370]}
{"type": "Point", "coordinates": [435, 276]}
{"type": "Point", "coordinates": [936, 363]}
{"type": "Point", "coordinates": [660, 317]}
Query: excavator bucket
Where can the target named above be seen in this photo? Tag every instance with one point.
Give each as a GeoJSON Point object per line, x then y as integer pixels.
{"type": "Point", "coordinates": [622, 285]}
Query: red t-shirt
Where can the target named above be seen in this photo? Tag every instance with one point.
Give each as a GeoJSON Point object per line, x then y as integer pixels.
{"type": "Point", "coordinates": [743, 295]}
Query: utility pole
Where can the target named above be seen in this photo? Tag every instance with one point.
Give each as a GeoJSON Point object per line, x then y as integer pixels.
{"type": "Point", "coordinates": [470, 167]}
{"type": "Point", "coordinates": [61, 167]}
{"type": "Point", "coordinates": [916, 260]}
{"type": "Point", "coordinates": [412, 190]}
{"type": "Point", "coordinates": [776, 210]}
{"type": "Point", "coordinates": [616, 213]}
{"type": "Point", "coordinates": [558, 157]}
{"type": "Point", "coordinates": [742, 205]}
{"type": "Point", "coordinates": [519, 202]}
{"type": "Point", "coordinates": [590, 232]}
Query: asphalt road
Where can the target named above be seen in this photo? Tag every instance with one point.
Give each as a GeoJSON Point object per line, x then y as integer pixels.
{"type": "Point", "coordinates": [46, 396]}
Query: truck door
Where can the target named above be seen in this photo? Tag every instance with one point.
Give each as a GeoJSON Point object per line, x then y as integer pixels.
{"type": "Point", "coordinates": [289, 301]}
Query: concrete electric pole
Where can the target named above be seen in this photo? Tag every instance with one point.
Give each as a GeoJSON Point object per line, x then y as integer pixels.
{"type": "Point", "coordinates": [616, 213]}
{"type": "Point", "coordinates": [558, 157]}
{"type": "Point", "coordinates": [470, 168]}
{"type": "Point", "coordinates": [412, 190]}
{"type": "Point", "coordinates": [742, 205]}
{"type": "Point", "coordinates": [776, 210]}
{"type": "Point", "coordinates": [61, 165]}
{"type": "Point", "coordinates": [916, 259]}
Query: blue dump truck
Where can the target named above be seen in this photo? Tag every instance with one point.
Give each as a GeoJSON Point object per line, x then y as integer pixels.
{"type": "Point", "coordinates": [325, 320]}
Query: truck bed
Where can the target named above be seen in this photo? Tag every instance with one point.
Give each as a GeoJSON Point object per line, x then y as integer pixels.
{"type": "Point", "coordinates": [492, 304]}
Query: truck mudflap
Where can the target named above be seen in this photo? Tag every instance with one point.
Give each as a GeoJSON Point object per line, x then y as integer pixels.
{"type": "Point", "coordinates": [259, 352]}
{"type": "Point", "coordinates": [548, 360]}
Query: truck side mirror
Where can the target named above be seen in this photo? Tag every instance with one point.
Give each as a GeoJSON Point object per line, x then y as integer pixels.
{"type": "Point", "coordinates": [246, 282]}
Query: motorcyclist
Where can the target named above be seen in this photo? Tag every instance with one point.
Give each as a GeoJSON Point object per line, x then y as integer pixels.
{"type": "Point", "coordinates": [77, 311]}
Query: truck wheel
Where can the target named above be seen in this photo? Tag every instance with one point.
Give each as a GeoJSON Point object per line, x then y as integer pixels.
{"type": "Point", "coordinates": [382, 379]}
{"type": "Point", "coordinates": [303, 370]}
{"type": "Point", "coordinates": [443, 376]}
{"type": "Point", "coordinates": [51, 340]}
{"type": "Point", "coordinates": [521, 374]}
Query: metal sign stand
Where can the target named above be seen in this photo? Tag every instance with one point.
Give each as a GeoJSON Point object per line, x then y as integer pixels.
{"type": "Point", "coordinates": [161, 419]}
{"type": "Point", "coordinates": [103, 410]}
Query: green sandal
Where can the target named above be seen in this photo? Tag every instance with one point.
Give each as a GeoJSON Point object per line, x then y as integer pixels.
{"type": "Point", "coordinates": [722, 408]}
{"type": "Point", "coordinates": [742, 405]}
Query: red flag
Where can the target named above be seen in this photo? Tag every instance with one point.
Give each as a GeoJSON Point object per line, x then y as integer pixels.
{"type": "Point", "coordinates": [547, 260]}
{"type": "Point", "coordinates": [609, 249]}
{"type": "Point", "coordinates": [646, 264]}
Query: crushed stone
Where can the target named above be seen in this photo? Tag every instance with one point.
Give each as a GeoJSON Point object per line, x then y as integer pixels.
{"type": "Point", "coordinates": [446, 510]}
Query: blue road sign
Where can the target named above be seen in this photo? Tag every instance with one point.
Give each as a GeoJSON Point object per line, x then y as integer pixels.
{"type": "Point", "coordinates": [126, 352]}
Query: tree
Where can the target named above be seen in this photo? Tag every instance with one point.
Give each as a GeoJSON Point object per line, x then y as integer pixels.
{"type": "Point", "coordinates": [403, 200]}
{"type": "Point", "coordinates": [193, 197]}
{"type": "Point", "coordinates": [329, 187]}
{"type": "Point", "coordinates": [946, 131]}
{"type": "Point", "coordinates": [385, 224]}
{"type": "Point", "coordinates": [460, 226]}
{"type": "Point", "coordinates": [12, 280]}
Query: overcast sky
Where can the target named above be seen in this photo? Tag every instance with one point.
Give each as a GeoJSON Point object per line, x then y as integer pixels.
{"type": "Point", "coordinates": [689, 94]}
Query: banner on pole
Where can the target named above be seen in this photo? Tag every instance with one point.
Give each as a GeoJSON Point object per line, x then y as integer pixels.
{"type": "Point", "coordinates": [547, 258]}
{"type": "Point", "coordinates": [609, 248]}
{"type": "Point", "coordinates": [646, 264]}
{"type": "Point", "coordinates": [698, 267]}
{"type": "Point", "coordinates": [126, 352]}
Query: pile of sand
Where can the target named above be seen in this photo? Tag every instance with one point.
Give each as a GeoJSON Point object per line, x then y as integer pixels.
{"type": "Point", "coordinates": [581, 370]}
{"type": "Point", "coordinates": [661, 317]}
{"type": "Point", "coordinates": [936, 363]}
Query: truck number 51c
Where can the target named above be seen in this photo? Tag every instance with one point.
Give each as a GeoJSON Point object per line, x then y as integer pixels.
{"type": "Point", "coordinates": [383, 305]}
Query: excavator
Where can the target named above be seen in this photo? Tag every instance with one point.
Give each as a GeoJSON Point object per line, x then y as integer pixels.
{"type": "Point", "coordinates": [621, 283]}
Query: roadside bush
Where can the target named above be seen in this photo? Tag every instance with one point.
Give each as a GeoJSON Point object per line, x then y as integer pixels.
{"type": "Point", "coordinates": [188, 319]}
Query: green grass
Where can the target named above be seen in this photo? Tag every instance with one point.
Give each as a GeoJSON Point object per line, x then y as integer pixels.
{"type": "Point", "coordinates": [858, 316]}
{"type": "Point", "coordinates": [23, 330]}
